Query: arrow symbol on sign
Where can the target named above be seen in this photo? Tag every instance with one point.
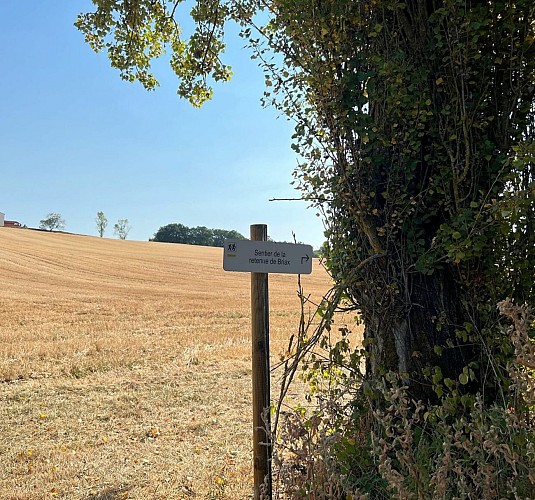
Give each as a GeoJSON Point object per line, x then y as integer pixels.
{"type": "Point", "coordinates": [306, 258]}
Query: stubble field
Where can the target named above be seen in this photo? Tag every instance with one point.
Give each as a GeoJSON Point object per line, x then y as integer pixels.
{"type": "Point", "coordinates": [125, 368]}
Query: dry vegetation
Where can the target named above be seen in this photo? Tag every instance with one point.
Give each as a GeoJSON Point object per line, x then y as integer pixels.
{"type": "Point", "coordinates": [125, 368]}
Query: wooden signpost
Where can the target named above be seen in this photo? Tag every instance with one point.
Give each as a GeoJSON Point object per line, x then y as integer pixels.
{"type": "Point", "coordinates": [261, 257]}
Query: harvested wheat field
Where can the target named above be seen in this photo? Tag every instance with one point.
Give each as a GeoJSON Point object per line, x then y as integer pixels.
{"type": "Point", "coordinates": [125, 367]}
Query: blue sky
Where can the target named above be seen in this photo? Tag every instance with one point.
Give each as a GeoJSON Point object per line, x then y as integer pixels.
{"type": "Point", "coordinates": [76, 139]}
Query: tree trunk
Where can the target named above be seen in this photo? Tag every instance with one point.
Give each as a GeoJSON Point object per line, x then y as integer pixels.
{"type": "Point", "coordinates": [420, 334]}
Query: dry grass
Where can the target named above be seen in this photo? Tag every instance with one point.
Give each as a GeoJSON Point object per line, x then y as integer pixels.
{"type": "Point", "coordinates": [125, 368]}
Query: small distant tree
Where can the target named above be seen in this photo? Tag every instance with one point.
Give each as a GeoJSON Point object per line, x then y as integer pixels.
{"type": "Point", "coordinates": [121, 228]}
{"type": "Point", "coordinates": [52, 222]}
{"type": "Point", "coordinates": [102, 223]}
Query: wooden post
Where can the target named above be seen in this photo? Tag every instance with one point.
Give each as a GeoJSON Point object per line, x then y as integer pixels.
{"type": "Point", "coordinates": [262, 446]}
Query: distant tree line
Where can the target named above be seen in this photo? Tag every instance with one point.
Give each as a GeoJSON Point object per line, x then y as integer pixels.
{"type": "Point", "coordinates": [178, 233]}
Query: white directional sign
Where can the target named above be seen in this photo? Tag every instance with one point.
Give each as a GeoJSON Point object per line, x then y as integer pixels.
{"type": "Point", "coordinates": [267, 257]}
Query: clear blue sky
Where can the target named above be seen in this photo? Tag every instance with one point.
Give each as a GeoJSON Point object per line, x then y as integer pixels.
{"type": "Point", "coordinates": [76, 139]}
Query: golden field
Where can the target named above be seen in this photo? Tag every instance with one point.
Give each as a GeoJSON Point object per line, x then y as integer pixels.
{"type": "Point", "coordinates": [125, 367]}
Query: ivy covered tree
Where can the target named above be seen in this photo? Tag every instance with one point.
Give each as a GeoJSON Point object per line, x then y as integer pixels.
{"type": "Point", "coordinates": [415, 121]}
